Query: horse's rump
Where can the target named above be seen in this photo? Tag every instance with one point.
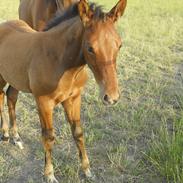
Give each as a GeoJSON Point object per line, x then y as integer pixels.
{"type": "Point", "coordinates": [15, 47]}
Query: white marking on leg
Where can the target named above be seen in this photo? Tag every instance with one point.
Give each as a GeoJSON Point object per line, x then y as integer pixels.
{"type": "Point", "coordinates": [51, 178]}
{"type": "Point", "coordinates": [4, 138]}
{"type": "Point", "coordinates": [19, 144]}
{"type": "Point", "coordinates": [18, 141]}
{"type": "Point", "coordinates": [88, 173]}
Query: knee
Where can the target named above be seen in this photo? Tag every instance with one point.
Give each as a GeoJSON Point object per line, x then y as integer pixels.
{"type": "Point", "coordinates": [77, 132]}
{"type": "Point", "coordinates": [11, 96]}
{"type": "Point", "coordinates": [48, 134]}
{"type": "Point", "coordinates": [48, 138]}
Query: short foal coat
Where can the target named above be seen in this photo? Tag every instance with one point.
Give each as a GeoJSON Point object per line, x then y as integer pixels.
{"type": "Point", "coordinates": [40, 59]}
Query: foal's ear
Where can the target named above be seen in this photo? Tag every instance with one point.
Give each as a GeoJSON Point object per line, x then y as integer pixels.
{"type": "Point", "coordinates": [84, 12]}
{"type": "Point", "coordinates": [118, 10]}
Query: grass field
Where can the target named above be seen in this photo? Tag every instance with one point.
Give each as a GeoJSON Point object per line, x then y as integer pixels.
{"type": "Point", "coordinates": [138, 141]}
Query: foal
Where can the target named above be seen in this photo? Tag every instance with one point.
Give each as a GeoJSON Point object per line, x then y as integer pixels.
{"type": "Point", "coordinates": [36, 13]}
{"type": "Point", "coordinates": [53, 69]}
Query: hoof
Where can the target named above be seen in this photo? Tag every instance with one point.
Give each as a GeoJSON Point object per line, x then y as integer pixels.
{"type": "Point", "coordinates": [51, 179]}
{"type": "Point", "coordinates": [89, 175]}
{"type": "Point", "coordinates": [4, 140]}
{"type": "Point", "coordinates": [18, 142]}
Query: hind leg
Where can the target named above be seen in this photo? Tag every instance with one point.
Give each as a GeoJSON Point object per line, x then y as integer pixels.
{"type": "Point", "coordinates": [4, 124]}
{"type": "Point", "coordinates": [12, 95]}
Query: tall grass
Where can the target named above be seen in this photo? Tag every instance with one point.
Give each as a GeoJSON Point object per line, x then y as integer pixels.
{"type": "Point", "coordinates": [166, 152]}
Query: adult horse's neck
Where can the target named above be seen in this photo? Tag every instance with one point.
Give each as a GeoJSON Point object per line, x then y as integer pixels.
{"type": "Point", "coordinates": [64, 41]}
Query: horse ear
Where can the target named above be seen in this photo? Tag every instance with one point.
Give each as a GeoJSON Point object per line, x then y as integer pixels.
{"type": "Point", "coordinates": [118, 10]}
{"type": "Point", "coordinates": [84, 12]}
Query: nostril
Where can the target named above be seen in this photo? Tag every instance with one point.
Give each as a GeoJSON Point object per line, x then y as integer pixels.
{"type": "Point", "coordinates": [106, 98]}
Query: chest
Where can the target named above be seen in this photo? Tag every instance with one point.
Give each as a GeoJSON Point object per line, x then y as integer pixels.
{"type": "Point", "coordinates": [71, 83]}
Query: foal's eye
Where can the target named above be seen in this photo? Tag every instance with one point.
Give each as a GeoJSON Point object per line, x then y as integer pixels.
{"type": "Point", "coordinates": [91, 50]}
{"type": "Point", "coordinates": [120, 46]}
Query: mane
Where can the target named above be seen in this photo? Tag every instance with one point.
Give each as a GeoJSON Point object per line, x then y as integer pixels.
{"type": "Point", "coordinates": [72, 12]}
{"type": "Point", "coordinates": [51, 1]}
{"type": "Point", "coordinates": [48, 1]}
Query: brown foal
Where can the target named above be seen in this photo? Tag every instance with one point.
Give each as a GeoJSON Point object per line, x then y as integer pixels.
{"type": "Point", "coordinates": [54, 70]}
{"type": "Point", "coordinates": [37, 13]}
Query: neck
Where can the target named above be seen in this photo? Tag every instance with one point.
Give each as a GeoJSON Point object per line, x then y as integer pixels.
{"type": "Point", "coordinates": [64, 41]}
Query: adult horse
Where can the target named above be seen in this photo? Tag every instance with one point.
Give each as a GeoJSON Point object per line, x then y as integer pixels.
{"type": "Point", "coordinates": [37, 13]}
{"type": "Point", "coordinates": [53, 69]}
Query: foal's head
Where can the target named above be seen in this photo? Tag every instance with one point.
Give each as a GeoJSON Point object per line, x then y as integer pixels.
{"type": "Point", "coordinates": [101, 45]}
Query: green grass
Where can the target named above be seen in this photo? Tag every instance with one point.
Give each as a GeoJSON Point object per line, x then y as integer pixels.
{"type": "Point", "coordinates": [136, 141]}
{"type": "Point", "coordinates": [166, 151]}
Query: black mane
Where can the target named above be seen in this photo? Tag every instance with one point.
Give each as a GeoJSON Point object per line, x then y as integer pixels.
{"type": "Point", "coordinates": [72, 12]}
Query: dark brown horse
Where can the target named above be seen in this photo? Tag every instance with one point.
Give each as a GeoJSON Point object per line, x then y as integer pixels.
{"type": "Point", "coordinates": [53, 69]}
{"type": "Point", "coordinates": [37, 13]}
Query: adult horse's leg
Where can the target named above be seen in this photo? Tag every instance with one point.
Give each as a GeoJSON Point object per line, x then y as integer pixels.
{"type": "Point", "coordinates": [72, 109]}
{"type": "Point", "coordinates": [45, 109]}
{"type": "Point", "coordinates": [12, 95]}
{"type": "Point", "coordinates": [4, 124]}
{"type": "Point", "coordinates": [25, 10]}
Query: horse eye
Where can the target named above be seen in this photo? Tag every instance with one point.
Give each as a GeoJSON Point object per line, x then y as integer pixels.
{"type": "Point", "coordinates": [91, 50]}
{"type": "Point", "coordinates": [120, 46]}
